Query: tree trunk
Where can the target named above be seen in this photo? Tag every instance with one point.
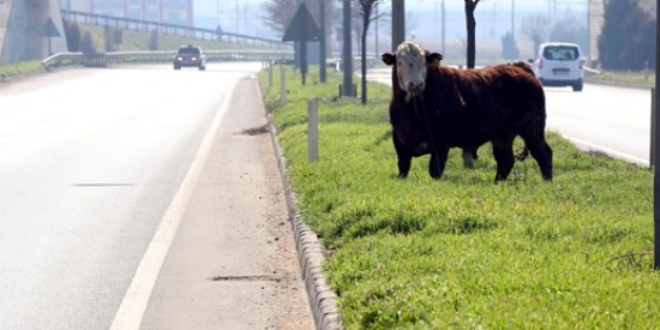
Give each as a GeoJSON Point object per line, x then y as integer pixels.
{"type": "Point", "coordinates": [363, 50]}
{"type": "Point", "coordinates": [471, 39]}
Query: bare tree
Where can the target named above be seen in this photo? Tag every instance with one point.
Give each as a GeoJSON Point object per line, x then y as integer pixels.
{"type": "Point", "coordinates": [366, 10]}
{"type": "Point", "coordinates": [536, 28]}
{"type": "Point", "coordinates": [471, 22]}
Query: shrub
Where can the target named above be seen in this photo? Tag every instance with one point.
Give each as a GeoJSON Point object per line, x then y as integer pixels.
{"type": "Point", "coordinates": [153, 40]}
{"type": "Point", "coordinates": [72, 34]}
{"type": "Point", "coordinates": [87, 45]}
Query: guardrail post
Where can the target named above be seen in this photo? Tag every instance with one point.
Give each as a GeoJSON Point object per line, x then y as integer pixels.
{"type": "Point", "coordinates": [282, 85]}
{"type": "Point", "coordinates": [313, 130]}
{"type": "Point", "coordinates": [654, 125]}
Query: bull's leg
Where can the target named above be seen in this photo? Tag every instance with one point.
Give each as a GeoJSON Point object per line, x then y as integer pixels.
{"type": "Point", "coordinates": [503, 153]}
{"type": "Point", "coordinates": [438, 161]}
{"type": "Point", "coordinates": [541, 151]}
{"type": "Point", "coordinates": [404, 157]}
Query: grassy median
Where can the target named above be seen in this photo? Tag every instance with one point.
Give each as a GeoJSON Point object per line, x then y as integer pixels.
{"type": "Point", "coordinates": [15, 69]}
{"type": "Point", "coordinates": [464, 252]}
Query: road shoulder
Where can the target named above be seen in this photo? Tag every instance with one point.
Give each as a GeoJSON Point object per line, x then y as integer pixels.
{"type": "Point", "coordinates": [233, 262]}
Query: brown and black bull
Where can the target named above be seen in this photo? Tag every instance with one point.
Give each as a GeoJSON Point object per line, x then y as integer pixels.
{"type": "Point", "coordinates": [435, 108]}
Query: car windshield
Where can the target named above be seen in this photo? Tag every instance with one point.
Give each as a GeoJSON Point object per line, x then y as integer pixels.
{"type": "Point", "coordinates": [189, 51]}
{"type": "Point", "coordinates": [561, 53]}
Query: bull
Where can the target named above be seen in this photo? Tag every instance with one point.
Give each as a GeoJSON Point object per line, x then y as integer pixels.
{"type": "Point", "coordinates": [435, 108]}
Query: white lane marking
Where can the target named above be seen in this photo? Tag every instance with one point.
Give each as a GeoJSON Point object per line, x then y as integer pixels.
{"type": "Point", "coordinates": [609, 151]}
{"type": "Point", "coordinates": [132, 308]}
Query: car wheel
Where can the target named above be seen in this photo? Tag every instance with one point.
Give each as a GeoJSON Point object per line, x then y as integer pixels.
{"type": "Point", "coordinates": [577, 87]}
{"type": "Point", "coordinates": [202, 68]}
{"type": "Point", "coordinates": [177, 67]}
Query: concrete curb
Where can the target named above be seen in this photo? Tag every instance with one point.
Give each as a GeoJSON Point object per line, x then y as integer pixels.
{"type": "Point", "coordinates": [322, 300]}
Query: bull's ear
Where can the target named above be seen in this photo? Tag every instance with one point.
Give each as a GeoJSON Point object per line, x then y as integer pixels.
{"type": "Point", "coordinates": [433, 58]}
{"type": "Point", "coordinates": [388, 58]}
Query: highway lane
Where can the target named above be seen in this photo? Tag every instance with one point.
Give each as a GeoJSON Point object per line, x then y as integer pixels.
{"type": "Point", "coordinates": [614, 120]}
{"type": "Point", "coordinates": [91, 159]}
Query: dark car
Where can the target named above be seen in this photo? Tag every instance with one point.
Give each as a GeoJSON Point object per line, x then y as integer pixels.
{"type": "Point", "coordinates": [189, 56]}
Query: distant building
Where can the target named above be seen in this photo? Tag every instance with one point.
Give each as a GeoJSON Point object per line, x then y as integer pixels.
{"type": "Point", "coordinates": [163, 11]}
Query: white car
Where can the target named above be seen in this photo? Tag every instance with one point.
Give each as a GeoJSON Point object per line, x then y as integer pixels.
{"type": "Point", "coordinates": [560, 64]}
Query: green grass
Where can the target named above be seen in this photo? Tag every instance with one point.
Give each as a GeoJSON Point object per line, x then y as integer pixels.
{"type": "Point", "coordinates": [13, 69]}
{"type": "Point", "coordinates": [638, 78]}
{"type": "Point", "coordinates": [464, 252]}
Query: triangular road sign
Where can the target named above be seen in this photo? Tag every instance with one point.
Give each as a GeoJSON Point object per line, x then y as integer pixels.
{"type": "Point", "coordinates": [49, 29]}
{"type": "Point", "coordinates": [302, 27]}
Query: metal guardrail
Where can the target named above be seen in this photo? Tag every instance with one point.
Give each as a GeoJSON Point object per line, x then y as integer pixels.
{"type": "Point", "coordinates": [125, 23]}
{"type": "Point", "coordinates": [590, 70]}
{"type": "Point", "coordinates": [105, 59]}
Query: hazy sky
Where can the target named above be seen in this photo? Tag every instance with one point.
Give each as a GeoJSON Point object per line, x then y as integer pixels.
{"type": "Point", "coordinates": [210, 7]}
{"type": "Point", "coordinates": [493, 16]}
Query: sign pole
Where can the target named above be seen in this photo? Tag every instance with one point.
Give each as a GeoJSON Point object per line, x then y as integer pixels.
{"type": "Point", "coordinates": [347, 54]}
{"type": "Point", "coordinates": [302, 28]}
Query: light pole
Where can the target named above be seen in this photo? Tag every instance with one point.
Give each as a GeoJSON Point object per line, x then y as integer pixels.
{"type": "Point", "coordinates": [376, 32]}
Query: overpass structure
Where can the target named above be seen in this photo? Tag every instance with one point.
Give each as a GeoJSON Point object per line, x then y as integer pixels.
{"type": "Point", "coordinates": [29, 29]}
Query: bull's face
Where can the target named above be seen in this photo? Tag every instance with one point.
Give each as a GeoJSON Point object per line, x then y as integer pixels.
{"type": "Point", "coordinates": [411, 62]}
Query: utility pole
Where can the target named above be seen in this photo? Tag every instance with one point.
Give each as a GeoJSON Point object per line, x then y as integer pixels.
{"type": "Point", "coordinates": [236, 18]}
{"type": "Point", "coordinates": [398, 23]}
{"type": "Point", "coordinates": [443, 27]}
{"type": "Point", "coordinates": [656, 172]}
{"type": "Point", "coordinates": [513, 24]}
{"type": "Point", "coordinates": [589, 33]}
{"type": "Point", "coordinates": [376, 32]}
{"type": "Point", "coordinates": [435, 17]}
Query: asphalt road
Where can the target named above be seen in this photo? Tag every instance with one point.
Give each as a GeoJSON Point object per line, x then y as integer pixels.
{"type": "Point", "coordinates": [614, 120]}
{"type": "Point", "coordinates": [111, 214]}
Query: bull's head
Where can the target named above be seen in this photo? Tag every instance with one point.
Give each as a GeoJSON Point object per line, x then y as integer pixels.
{"type": "Point", "coordinates": [412, 62]}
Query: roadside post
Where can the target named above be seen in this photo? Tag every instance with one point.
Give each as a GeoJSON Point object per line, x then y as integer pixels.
{"type": "Point", "coordinates": [313, 130]}
{"type": "Point", "coordinates": [654, 125]}
{"type": "Point", "coordinates": [282, 85]}
{"type": "Point", "coordinates": [270, 73]}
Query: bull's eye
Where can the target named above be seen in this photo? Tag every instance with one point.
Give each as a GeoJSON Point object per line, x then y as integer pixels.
{"type": "Point", "coordinates": [398, 63]}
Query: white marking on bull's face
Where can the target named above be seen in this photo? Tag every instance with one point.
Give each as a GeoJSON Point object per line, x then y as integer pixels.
{"type": "Point", "coordinates": [411, 68]}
